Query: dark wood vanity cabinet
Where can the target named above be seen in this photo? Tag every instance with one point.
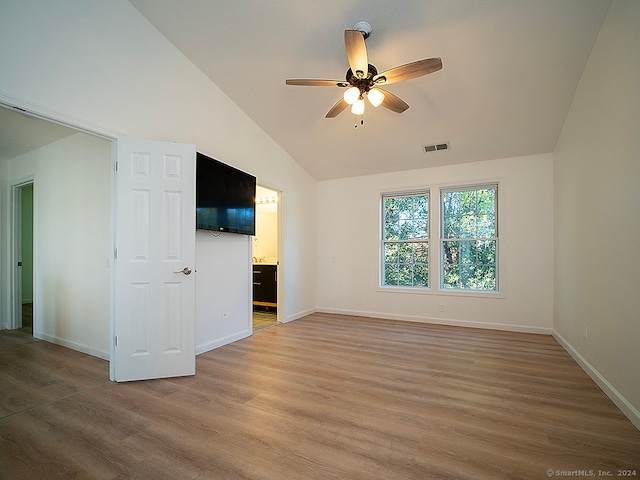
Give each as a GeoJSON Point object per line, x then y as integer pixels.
{"type": "Point", "coordinates": [265, 285]}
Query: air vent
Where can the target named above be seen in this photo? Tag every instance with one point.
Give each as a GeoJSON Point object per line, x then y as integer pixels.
{"type": "Point", "coordinates": [435, 148]}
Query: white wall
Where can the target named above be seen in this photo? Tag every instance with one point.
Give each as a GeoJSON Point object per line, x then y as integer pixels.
{"type": "Point", "coordinates": [221, 320]}
{"type": "Point", "coordinates": [72, 208]}
{"type": "Point", "coordinates": [349, 232]}
{"type": "Point", "coordinates": [265, 242]}
{"type": "Point", "coordinates": [102, 63]}
{"type": "Point", "coordinates": [597, 213]}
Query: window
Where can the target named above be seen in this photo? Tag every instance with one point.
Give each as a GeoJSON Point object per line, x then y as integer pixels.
{"type": "Point", "coordinates": [405, 240]}
{"type": "Point", "coordinates": [469, 238]}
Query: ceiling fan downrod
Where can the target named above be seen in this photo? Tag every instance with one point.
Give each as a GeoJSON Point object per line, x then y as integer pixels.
{"type": "Point", "coordinates": [364, 28]}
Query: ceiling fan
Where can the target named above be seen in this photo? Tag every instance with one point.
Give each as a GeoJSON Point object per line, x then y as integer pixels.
{"type": "Point", "coordinates": [363, 79]}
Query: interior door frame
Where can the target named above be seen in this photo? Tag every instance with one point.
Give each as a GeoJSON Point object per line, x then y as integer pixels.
{"type": "Point", "coordinates": [15, 249]}
{"type": "Point", "coordinates": [43, 113]}
{"type": "Point", "coordinates": [280, 317]}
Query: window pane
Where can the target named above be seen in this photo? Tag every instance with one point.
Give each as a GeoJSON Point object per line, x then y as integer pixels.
{"type": "Point", "coordinates": [391, 231]}
{"type": "Point", "coordinates": [486, 226]}
{"type": "Point", "coordinates": [406, 229]}
{"type": "Point", "coordinates": [451, 277]}
{"type": "Point", "coordinates": [467, 253]}
{"type": "Point", "coordinates": [405, 275]}
{"type": "Point", "coordinates": [487, 252]}
{"type": "Point", "coordinates": [451, 227]}
{"type": "Point", "coordinates": [451, 204]}
{"type": "Point", "coordinates": [449, 254]}
{"type": "Point", "coordinates": [466, 277]}
{"type": "Point", "coordinates": [484, 278]}
{"type": "Point", "coordinates": [421, 275]}
{"type": "Point", "coordinates": [391, 253]}
{"type": "Point", "coordinates": [486, 200]}
{"type": "Point", "coordinates": [391, 274]}
{"type": "Point", "coordinates": [421, 252]}
{"type": "Point", "coordinates": [405, 253]}
{"type": "Point", "coordinates": [391, 219]}
{"type": "Point", "coordinates": [419, 228]}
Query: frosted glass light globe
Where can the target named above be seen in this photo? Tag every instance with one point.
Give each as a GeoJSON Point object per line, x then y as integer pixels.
{"type": "Point", "coordinates": [376, 97]}
{"type": "Point", "coordinates": [358, 107]}
{"type": "Point", "coordinates": [351, 95]}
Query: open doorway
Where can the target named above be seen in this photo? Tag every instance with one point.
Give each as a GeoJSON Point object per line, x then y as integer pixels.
{"type": "Point", "coordinates": [265, 248]}
{"type": "Point", "coordinates": [23, 256]}
{"type": "Point", "coordinates": [62, 279]}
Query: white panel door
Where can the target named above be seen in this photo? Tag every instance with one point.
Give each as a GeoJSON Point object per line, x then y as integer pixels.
{"type": "Point", "coordinates": [154, 283]}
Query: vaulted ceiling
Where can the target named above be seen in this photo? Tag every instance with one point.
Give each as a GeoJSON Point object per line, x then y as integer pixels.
{"type": "Point", "coordinates": [510, 70]}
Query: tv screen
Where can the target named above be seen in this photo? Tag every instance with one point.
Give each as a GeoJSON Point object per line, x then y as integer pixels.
{"type": "Point", "coordinates": [225, 197]}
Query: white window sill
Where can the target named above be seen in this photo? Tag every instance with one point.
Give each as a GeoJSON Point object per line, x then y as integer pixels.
{"type": "Point", "coordinates": [441, 291]}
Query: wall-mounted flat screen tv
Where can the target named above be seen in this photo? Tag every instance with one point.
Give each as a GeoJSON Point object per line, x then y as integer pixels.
{"type": "Point", "coordinates": [225, 197]}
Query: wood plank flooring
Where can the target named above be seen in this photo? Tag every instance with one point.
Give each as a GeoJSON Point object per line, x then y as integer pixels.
{"type": "Point", "coordinates": [324, 397]}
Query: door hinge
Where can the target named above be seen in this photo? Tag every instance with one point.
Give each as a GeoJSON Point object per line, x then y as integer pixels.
{"type": "Point", "coordinates": [116, 166]}
{"type": "Point", "coordinates": [116, 340]}
{"type": "Point", "coordinates": [115, 253]}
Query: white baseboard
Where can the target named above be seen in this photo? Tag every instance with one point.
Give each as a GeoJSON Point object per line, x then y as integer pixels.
{"type": "Point", "coordinates": [205, 347]}
{"type": "Point", "coordinates": [631, 412]}
{"type": "Point", "coordinates": [298, 315]}
{"type": "Point", "coordinates": [443, 321]}
{"type": "Point", "coordinates": [72, 345]}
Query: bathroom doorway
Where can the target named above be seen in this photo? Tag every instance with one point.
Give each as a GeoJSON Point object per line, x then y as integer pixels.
{"type": "Point", "coordinates": [265, 260]}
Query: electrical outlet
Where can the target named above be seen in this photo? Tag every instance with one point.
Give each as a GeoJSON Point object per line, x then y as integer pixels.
{"type": "Point", "coordinates": [586, 331]}
{"type": "Point", "coordinates": [442, 307]}
{"type": "Point", "coordinates": [225, 315]}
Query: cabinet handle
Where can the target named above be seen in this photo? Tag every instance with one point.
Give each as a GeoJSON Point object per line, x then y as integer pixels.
{"type": "Point", "coordinates": [257, 283]}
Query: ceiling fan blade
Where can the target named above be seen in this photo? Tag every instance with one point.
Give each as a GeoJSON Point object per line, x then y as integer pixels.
{"type": "Point", "coordinates": [337, 109]}
{"type": "Point", "coordinates": [408, 71]}
{"type": "Point", "coordinates": [305, 82]}
{"type": "Point", "coordinates": [356, 51]}
{"type": "Point", "coordinates": [393, 102]}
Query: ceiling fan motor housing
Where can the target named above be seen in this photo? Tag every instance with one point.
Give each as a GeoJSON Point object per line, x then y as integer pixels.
{"type": "Point", "coordinates": [363, 84]}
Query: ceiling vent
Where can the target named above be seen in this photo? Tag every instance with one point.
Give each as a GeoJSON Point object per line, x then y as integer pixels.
{"type": "Point", "coordinates": [435, 148]}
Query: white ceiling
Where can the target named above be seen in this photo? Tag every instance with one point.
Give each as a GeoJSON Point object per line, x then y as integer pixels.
{"type": "Point", "coordinates": [510, 70]}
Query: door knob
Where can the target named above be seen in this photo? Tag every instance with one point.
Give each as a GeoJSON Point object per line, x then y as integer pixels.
{"type": "Point", "coordinates": [185, 270]}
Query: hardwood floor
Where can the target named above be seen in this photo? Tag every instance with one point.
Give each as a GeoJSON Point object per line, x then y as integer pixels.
{"type": "Point", "coordinates": [324, 397]}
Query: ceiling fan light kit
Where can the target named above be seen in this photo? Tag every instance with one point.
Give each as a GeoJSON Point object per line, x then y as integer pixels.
{"type": "Point", "coordinates": [363, 79]}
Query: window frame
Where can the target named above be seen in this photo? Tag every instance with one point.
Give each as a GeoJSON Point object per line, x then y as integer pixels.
{"type": "Point", "coordinates": [382, 260]}
{"type": "Point", "coordinates": [495, 238]}
{"type": "Point", "coordinates": [435, 261]}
